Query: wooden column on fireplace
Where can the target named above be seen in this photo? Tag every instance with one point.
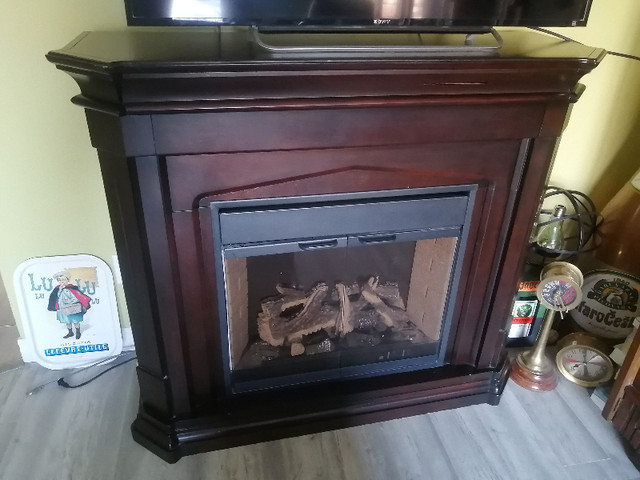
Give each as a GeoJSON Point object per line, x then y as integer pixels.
{"type": "Point", "coordinates": [183, 117]}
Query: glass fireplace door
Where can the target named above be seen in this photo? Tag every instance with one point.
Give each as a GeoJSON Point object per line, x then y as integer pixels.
{"type": "Point", "coordinates": [371, 299]}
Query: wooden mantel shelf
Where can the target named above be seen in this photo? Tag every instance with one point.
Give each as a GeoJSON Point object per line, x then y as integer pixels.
{"type": "Point", "coordinates": [219, 69]}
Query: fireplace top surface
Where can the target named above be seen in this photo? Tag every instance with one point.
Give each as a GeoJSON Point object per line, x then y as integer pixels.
{"type": "Point", "coordinates": [142, 72]}
{"type": "Point", "coordinates": [213, 48]}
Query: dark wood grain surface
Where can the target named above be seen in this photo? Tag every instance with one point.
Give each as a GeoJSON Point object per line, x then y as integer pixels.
{"type": "Point", "coordinates": [180, 118]}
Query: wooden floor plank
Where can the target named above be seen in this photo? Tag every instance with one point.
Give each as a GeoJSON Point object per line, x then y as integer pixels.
{"type": "Point", "coordinates": [617, 466]}
{"type": "Point", "coordinates": [517, 440]}
{"type": "Point", "coordinates": [407, 448]}
{"type": "Point", "coordinates": [479, 439]}
{"type": "Point", "coordinates": [600, 470]}
{"type": "Point", "coordinates": [561, 428]}
{"type": "Point", "coordinates": [466, 452]}
{"type": "Point", "coordinates": [84, 434]}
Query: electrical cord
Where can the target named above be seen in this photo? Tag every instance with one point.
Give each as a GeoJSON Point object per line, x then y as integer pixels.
{"type": "Point", "coordinates": [568, 39]}
{"type": "Point", "coordinates": [64, 384]}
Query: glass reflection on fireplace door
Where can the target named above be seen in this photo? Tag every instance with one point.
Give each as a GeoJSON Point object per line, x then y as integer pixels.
{"type": "Point", "coordinates": [325, 288]}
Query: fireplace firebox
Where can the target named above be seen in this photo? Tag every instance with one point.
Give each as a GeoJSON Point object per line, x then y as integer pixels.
{"type": "Point", "coordinates": [326, 287]}
{"type": "Point", "coordinates": [312, 243]}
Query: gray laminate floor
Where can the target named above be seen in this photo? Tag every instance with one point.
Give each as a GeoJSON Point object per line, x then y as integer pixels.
{"type": "Point", "coordinates": [83, 434]}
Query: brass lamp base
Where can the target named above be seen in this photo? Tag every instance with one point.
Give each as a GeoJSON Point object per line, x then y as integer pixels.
{"type": "Point", "coordinates": [532, 369]}
{"type": "Point", "coordinates": [558, 290]}
{"type": "Point", "coordinates": [541, 377]}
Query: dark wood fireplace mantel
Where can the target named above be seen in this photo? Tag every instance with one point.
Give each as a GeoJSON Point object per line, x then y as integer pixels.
{"type": "Point", "coordinates": [182, 118]}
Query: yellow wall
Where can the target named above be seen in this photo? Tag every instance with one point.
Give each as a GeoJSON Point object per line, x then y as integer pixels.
{"type": "Point", "coordinates": [600, 148]}
{"type": "Point", "coordinates": [51, 196]}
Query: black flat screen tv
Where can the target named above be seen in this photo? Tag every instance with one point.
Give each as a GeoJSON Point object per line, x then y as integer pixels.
{"type": "Point", "coordinates": [366, 15]}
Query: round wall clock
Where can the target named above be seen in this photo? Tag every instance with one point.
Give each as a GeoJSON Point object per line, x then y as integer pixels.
{"type": "Point", "coordinates": [584, 359]}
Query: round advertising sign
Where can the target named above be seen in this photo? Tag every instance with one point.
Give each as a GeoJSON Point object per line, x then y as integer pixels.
{"type": "Point", "coordinates": [609, 303]}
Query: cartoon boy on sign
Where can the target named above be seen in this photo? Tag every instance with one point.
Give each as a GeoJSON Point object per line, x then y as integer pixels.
{"type": "Point", "coordinates": [69, 303]}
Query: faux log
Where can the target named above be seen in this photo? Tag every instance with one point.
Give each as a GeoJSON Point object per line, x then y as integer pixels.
{"type": "Point", "coordinates": [391, 317]}
{"type": "Point", "coordinates": [277, 332]}
{"type": "Point", "coordinates": [345, 320]}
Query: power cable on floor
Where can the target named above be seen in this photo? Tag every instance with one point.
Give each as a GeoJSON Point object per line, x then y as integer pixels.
{"type": "Point", "coordinates": [64, 384]}
{"type": "Point", "coordinates": [61, 381]}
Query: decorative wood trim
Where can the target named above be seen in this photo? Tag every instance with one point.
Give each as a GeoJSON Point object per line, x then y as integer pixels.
{"type": "Point", "coordinates": [178, 123]}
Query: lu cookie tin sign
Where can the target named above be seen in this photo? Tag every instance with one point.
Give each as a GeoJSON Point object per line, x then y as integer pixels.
{"type": "Point", "coordinates": [69, 312]}
{"type": "Point", "coordinates": [609, 305]}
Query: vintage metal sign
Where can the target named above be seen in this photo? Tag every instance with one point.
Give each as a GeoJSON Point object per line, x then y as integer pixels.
{"type": "Point", "coordinates": [610, 303]}
{"type": "Point", "coordinates": [68, 309]}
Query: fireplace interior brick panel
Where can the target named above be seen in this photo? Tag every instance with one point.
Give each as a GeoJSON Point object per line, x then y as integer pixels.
{"type": "Point", "coordinates": [224, 168]}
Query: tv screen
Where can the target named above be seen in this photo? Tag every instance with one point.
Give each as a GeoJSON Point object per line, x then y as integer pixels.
{"type": "Point", "coordinates": [360, 14]}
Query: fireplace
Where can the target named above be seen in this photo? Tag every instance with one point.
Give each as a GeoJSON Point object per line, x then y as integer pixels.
{"type": "Point", "coordinates": [327, 287]}
{"type": "Point", "coordinates": [311, 243]}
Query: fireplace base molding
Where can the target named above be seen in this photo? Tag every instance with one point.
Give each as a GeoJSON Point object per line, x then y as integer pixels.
{"type": "Point", "coordinates": [194, 129]}
{"type": "Point", "coordinates": [256, 423]}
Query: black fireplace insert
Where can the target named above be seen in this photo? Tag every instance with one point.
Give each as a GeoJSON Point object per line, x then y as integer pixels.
{"type": "Point", "coordinates": [329, 287]}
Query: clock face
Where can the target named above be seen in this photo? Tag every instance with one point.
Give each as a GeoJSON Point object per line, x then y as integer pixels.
{"type": "Point", "coordinates": [558, 294]}
{"type": "Point", "coordinates": [584, 365]}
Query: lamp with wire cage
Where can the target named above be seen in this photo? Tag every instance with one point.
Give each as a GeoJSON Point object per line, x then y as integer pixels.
{"type": "Point", "coordinates": [566, 230]}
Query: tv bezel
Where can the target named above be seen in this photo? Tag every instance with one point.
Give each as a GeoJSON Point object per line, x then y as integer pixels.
{"type": "Point", "coordinates": [404, 24]}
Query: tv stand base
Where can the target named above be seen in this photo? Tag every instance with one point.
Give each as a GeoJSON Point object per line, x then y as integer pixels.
{"type": "Point", "coordinates": [379, 45]}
